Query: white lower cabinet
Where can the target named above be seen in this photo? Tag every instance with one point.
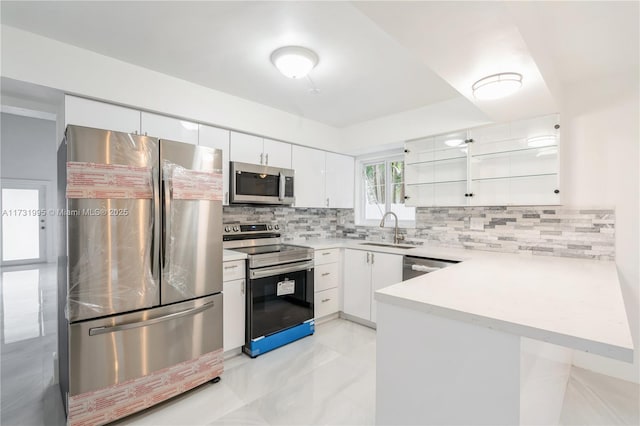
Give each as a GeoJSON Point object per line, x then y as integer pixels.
{"type": "Point", "coordinates": [326, 302]}
{"type": "Point", "coordinates": [233, 311]}
{"type": "Point", "coordinates": [364, 273]}
{"type": "Point", "coordinates": [326, 282]}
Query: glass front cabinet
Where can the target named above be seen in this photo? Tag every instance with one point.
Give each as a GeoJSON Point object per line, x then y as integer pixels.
{"type": "Point", "coordinates": [513, 163]}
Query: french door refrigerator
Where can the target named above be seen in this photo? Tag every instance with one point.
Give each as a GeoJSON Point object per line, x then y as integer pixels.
{"type": "Point", "coordinates": [139, 271]}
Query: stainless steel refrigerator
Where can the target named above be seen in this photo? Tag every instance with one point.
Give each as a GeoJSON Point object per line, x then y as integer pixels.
{"type": "Point", "coordinates": [140, 260]}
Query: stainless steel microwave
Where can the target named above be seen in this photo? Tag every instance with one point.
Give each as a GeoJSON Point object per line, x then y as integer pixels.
{"type": "Point", "coordinates": [256, 184]}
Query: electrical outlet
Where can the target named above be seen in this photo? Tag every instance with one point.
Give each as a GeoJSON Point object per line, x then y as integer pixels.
{"type": "Point", "coordinates": [476, 224]}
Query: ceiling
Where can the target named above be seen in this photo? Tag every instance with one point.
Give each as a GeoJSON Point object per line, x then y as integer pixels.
{"type": "Point", "coordinates": [376, 58]}
{"type": "Point", "coordinates": [362, 74]}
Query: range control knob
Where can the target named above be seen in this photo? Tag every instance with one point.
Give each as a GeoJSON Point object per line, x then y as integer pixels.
{"type": "Point", "coordinates": [236, 229]}
{"type": "Point", "coordinates": [269, 227]}
{"type": "Point", "coordinates": [277, 227]}
{"type": "Point", "coordinates": [227, 229]}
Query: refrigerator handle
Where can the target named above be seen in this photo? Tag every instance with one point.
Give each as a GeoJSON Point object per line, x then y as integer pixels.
{"type": "Point", "coordinates": [166, 217]}
{"type": "Point", "coordinates": [127, 326]}
{"type": "Point", "coordinates": [155, 230]}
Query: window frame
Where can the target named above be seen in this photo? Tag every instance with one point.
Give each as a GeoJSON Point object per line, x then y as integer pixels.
{"type": "Point", "coordinates": [361, 199]}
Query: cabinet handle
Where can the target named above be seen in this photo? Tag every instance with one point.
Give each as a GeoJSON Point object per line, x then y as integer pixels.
{"type": "Point", "coordinates": [368, 256]}
{"type": "Point", "coordinates": [325, 300]}
{"type": "Point", "coordinates": [326, 253]}
{"type": "Point", "coordinates": [226, 197]}
{"type": "Point", "coordinates": [471, 195]}
{"type": "Point", "coordinates": [466, 195]}
{"type": "Point", "coordinates": [372, 258]}
{"type": "Point", "coordinates": [326, 273]}
{"type": "Point", "coordinates": [406, 151]}
{"type": "Point", "coordinates": [266, 161]}
{"type": "Point", "coordinates": [327, 202]}
{"type": "Point", "coordinates": [242, 287]}
{"type": "Point", "coordinates": [231, 267]}
{"type": "Point", "coordinates": [557, 191]}
{"type": "Point", "coordinates": [406, 197]}
{"type": "Point", "coordinates": [261, 157]}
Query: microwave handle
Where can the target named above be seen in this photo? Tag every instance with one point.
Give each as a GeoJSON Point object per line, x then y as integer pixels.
{"type": "Point", "coordinates": [281, 189]}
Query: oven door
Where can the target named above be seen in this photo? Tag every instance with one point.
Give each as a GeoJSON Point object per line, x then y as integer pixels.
{"type": "Point", "coordinates": [255, 184]}
{"type": "Point", "coordinates": [279, 298]}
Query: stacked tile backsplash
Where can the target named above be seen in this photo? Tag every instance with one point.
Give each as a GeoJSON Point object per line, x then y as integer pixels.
{"type": "Point", "coordinates": [296, 223]}
{"type": "Point", "coordinates": [539, 230]}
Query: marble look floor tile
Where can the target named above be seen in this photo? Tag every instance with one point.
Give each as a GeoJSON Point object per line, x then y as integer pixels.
{"type": "Point", "coordinates": [595, 399]}
{"type": "Point", "coordinates": [275, 369]}
{"type": "Point", "coordinates": [316, 397]}
{"type": "Point", "coordinates": [344, 336]}
{"type": "Point", "coordinates": [199, 406]}
{"type": "Point", "coordinates": [243, 416]}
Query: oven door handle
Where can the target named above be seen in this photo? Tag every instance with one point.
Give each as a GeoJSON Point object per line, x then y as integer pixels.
{"type": "Point", "coordinates": [268, 272]}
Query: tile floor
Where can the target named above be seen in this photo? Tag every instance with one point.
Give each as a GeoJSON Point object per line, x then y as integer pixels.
{"type": "Point", "coordinates": [328, 378]}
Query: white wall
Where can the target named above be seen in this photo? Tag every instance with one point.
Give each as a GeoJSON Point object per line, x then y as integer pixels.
{"type": "Point", "coordinates": [28, 151]}
{"type": "Point", "coordinates": [39, 60]}
{"type": "Point", "coordinates": [600, 159]}
{"type": "Point", "coordinates": [392, 130]}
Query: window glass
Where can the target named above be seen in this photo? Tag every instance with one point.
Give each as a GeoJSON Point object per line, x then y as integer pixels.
{"type": "Point", "coordinates": [375, 190]}
{"type": "Point", "coordinates": [383, 186]}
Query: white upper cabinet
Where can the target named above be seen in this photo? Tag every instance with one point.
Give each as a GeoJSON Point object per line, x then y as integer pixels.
{"type": "Point", "coordinates": [339, 180]}
{"type": "Point", "coordinates": [277, 154]}
{"type": "Point", "coordinates": [512, 163]}
{"type": "Point", "coordinates": [257, 150]}
{"type": "Point", "coordinates": [246, 148]}
{"type": "Point", "coordinates": [214, 137]}
{"type": "Point", "coordinates": [88, 113]}
{"type": "Point", "coordinates": [163, 127]}
{"type": "Point", "coordinates": [309, 182]}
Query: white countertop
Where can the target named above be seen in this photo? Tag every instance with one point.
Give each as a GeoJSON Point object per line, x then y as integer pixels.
{"type": "Point", "coordinates": [228, 255]}
{"type": "Point", "coordinates": [575, 303]}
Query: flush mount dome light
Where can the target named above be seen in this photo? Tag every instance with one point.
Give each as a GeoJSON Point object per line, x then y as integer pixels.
{"type": "Point", "coordinates": [294, 61]}
{"type": "Point", "coordinates": [497, 85]}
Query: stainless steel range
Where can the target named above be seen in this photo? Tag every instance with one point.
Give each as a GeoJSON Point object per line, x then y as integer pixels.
{"type": "Point", "coordinates": [280, 286]}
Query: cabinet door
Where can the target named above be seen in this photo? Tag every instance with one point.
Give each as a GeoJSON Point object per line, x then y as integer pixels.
{"type": "Point", "coordinates": [213, 137]}
{"type": "Point", "coordinates": [170, 128]}
{"type": "Point", "coordinates": [386, 270]}
{"type": "Point", "coordinates": [340, 176]}
{"type": "Point", "coordinates": [357, 284]}
{"type": "Point", "coordinates": [88, 113]}
{"type": "Point", "coordinates": [277, 154]}
{"type": "Point", "coordinates": [233, 310]}
{"type": "Point", "coordinates": [246, 148]}
{"type": "Point", "coordinates": [309, 181]}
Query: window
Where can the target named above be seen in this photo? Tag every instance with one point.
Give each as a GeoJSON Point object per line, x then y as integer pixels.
{"type": "Point", "coordinates": [382, 190]}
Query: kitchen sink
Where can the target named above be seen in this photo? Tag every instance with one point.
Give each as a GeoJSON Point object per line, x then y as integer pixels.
{"type": "Point", "coordinates": [398, 246]}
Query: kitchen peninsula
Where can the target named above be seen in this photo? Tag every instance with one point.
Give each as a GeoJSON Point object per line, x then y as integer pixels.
{"type": "Point", "coordinates": [490, 340]}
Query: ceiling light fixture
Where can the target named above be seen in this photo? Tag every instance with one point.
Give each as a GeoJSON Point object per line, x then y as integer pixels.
{"type": "Point", "coordinates": [497, 85]}
{"type": "Point", "coordinates": [539, 141]}
{"type": "Point", "coordinates": [294, 61]}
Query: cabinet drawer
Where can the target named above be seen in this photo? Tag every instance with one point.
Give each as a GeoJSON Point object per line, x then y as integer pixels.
{"type": "Point", "coordinates": [233, 270]}
{"type": "Point", "coordinates": [326, 276]}
{"type": "Point", "coordinates": [326, 256]}
{"type": "Point", "coordinates": [326, 302]}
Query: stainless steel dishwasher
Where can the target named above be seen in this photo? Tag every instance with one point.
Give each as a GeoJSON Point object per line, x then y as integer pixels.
{"type": "Point", "coordinates": [414, 266]}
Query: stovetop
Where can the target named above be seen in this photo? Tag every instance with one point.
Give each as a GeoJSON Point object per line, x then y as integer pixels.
{"type": "Point", "coordinates": [263, 245]}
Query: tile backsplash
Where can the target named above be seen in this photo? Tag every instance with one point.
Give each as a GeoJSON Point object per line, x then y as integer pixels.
{"type": "Point", "coordinates": [539, 230]}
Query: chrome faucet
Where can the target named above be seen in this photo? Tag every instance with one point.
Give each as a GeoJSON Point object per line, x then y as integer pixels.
{"type": "Point", "coordinates": [396, 238]}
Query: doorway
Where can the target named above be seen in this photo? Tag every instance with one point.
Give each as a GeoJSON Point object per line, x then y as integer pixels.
{"type": "Point", "coordinates": [24, 221]}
